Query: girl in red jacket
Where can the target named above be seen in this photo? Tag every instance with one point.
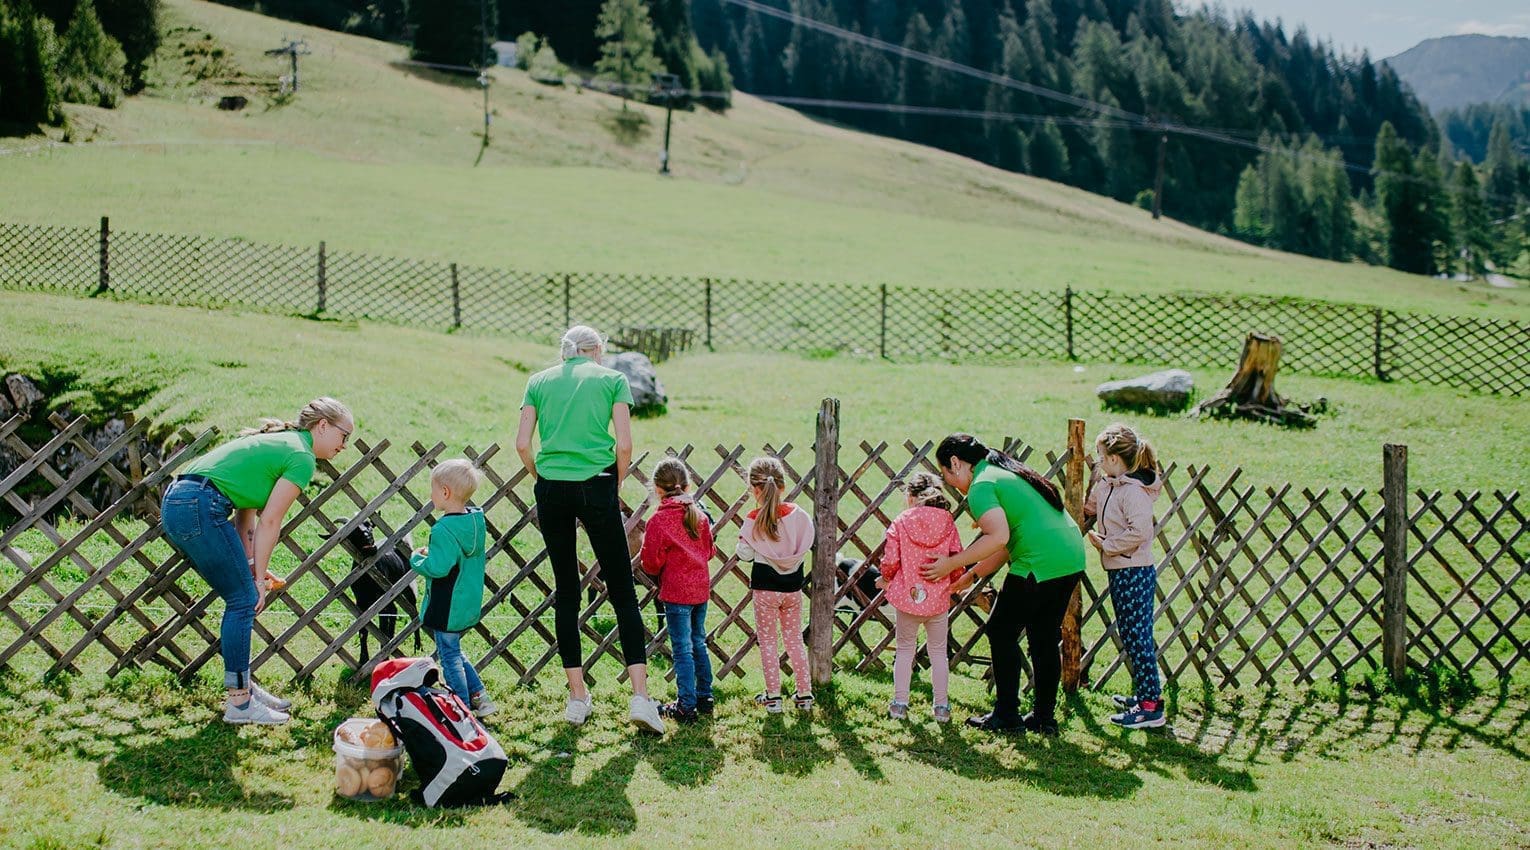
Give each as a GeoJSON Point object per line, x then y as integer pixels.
{"type": "Point", "coordinates": [677, 547]}
{"type": "Point", "coordinates": [924, 533]}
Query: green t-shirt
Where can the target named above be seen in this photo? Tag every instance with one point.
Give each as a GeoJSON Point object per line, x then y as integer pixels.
{"type": "Point", "coordinates": [1043, 541]}
{"type": "Point", "coordinates": [573, 402]}
{"type": "Point", "coordinates": [247, 469]}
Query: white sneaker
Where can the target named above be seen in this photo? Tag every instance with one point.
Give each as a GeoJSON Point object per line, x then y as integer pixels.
{"type": "Point", "coordinates": [579, 710]}
{"type": "Point", "coordinates": [482, 705]}
{"type": "Point", "coordinates": [271, 700]}
{"type": "Point", "coordinates": [254, 711]}
{"type": "Point", "coordinates": [644, 714]}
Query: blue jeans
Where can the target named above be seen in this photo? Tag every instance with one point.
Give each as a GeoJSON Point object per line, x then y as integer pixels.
{"type": "Point", "coordinates": [458, 671]}
{"type": "Point", "coordinates": [688, 641]}
{"type": "Point", "coordinates": [1131, 592]}
{"type": "Point", "coordinates": [195, 519]}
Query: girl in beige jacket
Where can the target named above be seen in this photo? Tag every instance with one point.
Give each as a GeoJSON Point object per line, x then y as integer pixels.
{"type": "Point", "coordinates": [1121, 506]}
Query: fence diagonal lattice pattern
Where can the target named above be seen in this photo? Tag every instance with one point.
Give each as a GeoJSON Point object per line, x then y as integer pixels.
{"type": "Point", "coordinates": [1257, 584]}
{"type": "Point", "coordinates": [1320, 338]}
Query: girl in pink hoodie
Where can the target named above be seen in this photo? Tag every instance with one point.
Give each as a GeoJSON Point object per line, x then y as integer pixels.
{"type": "Point", "coordinates": [1121, 506]}
{"type": "Point", "coordinates": [774, 538]}
{"type": "Point", "coordinates": [922, 534]}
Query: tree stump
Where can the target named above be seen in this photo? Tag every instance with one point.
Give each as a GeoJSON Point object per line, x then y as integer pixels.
{"type": "Point", "coordinates": [1251, 392]}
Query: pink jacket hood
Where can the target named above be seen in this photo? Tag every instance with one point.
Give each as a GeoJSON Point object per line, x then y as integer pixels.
{"type": "Point", "coordinates": [919, 536]}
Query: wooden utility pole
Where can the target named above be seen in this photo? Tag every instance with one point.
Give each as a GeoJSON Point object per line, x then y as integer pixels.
{"type": "Point", "coordinates": [1163, 145]}
{"type": "Point", "coordinates": [292, 49]}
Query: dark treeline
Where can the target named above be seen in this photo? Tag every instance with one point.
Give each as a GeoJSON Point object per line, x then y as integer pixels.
{"type": "Point", "coordinates": [1239, 75]}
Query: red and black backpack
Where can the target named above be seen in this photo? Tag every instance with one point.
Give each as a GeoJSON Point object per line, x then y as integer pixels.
{"type": "Point", "coordinates": [459, 763]}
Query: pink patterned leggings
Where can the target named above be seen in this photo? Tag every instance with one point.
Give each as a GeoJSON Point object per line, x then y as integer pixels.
{"type": "Point", "coordinates": [773, 609]}
{"type": "Point", "coordinates": [907, 631]}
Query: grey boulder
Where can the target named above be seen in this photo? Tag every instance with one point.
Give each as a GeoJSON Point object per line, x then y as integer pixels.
{"type": "Point", "coordinates": [647, 392]}
{"type": "Point", "coordinates": [1170, 389]}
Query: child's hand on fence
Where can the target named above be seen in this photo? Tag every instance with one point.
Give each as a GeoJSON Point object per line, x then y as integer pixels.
{"type": "Point", "coordinates": [881, 582]}
{"type": "Point", "coordinates": [423, 551]}
{"type": "Point", "coordinates": [962, 583]}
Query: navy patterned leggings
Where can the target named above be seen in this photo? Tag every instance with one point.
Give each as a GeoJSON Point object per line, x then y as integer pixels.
{"type": "Point", "coordinates": [1131, 592]}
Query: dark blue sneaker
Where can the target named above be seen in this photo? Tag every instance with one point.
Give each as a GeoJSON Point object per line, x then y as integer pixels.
{"type": "Point", "coordinates": [1138, 717]}
{"type": "Point", "coordinates": [1124, 702]}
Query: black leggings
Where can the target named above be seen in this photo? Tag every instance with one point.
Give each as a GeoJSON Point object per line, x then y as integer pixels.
{"type": "Point", "coordinates": [593, 503]}
{"type": "Point", "coordinates": [1038, 608]}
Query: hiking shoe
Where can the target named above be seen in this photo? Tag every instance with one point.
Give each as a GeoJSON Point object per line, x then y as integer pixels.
{"type": "Point", "coordinates": [644, 714]}
{"type": "Point", "coordinates": [705, 705]}
{"type": "Point", "coordinates": [804, 702]}
{"type": "Point", "coordinates": [255, 712]}
{"type": "Point", "coordinates": [773, 702]}
{"type": "Point", "coordinates": [680, 713]}
{"type": "Point", "coordinates": [1139, 717]}
{"type": "Point", "coordinates": [271, 700]}
{"type": "Point", "coordinates": [1124, 702]}
{"type": "Point", "coordinates": [897, 710]}
{"type": "Point", "coordinates": [1039, 727]}
{"type": "Point", "coordinates": [579, 710]}
{"type": "Point", "coordinates": [942, 713]}
{"type": "Point", "coordinates": [991, 722]}
{"type": "Point", "coordinates": [482, 705]}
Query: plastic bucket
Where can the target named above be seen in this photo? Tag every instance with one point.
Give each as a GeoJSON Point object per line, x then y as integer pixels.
{"type": "Point", "coordinates": [366, 772]}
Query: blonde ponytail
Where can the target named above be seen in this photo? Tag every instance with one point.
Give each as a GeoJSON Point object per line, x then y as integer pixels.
{"type": "Point", "coordinates": [769, 475]}
{"type": "Point", "coordinates": [321, 409]}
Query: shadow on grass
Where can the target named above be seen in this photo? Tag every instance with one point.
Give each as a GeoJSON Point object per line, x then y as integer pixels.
{"type": "Point", "coordinates": [1055, 765]}
{"type": "Point", "coordinates": [197, 771]}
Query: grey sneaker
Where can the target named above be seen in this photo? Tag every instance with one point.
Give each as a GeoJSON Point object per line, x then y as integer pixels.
{"type": "Point", "coordinates": [897, 710]}
{"type": "Point", "coordinates": [942, 713]}
{"type": "Point", "coordinates": [773, 703]}
{"type": "Point", "coordinates": [579, 710]}
{"type": "Point", "coordinates": [482, 705]}
{"type": "Point", "coordinates": [255, 712]}
{"type": "Point", "coordinates": [271, 700]}
{"type": "Point", "coordinates": [644, 714]}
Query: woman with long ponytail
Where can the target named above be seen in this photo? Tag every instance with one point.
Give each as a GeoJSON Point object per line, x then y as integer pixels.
{"type": "Point", "coordinates": [1025, 528]}
{"type": "Point", "coordinates": [224, 513]}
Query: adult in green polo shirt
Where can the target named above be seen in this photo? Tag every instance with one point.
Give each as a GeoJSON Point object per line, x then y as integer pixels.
{"type": "Point", "coordinates": [581, 411]}
{"type": "Point", "coordinates": [254, 479]}
{"type": "Point", "coordinates": [1025, 528]}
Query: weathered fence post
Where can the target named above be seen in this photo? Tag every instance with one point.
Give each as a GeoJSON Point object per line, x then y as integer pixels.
{"type": "Point", "coordinates": [1381, 373]}
{"type": "Point", "coordinates": [456, 300]}
{"type": "Point", "coordinates": [568, 302]}
{"type": "Point", "coordinates": [825, 557]}
{"type": "Point", "coordinates": [1394, 543]}
{"type": "Point", "coordinates": [104, 279]}
{"type": "Point", "coordinates": [882, 339]}
{"type": "Point", "coordinates": [1068, 317]}
{"type": "Point", "coordinates": [1073, 500]}
{"type": "Point", "coordinates": [709, 315]}
{"type": "Point", "coordinates": [323, 276]}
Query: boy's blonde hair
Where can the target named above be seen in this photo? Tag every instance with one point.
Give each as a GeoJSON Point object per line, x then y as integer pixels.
{"type": "Point", "coordinates": [459, 475]}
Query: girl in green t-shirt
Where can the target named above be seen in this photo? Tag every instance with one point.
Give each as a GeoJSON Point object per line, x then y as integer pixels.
{"type": "Point", "coordinates": [224, 513]}
{"type": "Point", "coordinates": [1025, 528]}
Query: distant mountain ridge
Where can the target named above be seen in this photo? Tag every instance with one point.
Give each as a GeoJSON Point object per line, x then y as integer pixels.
{"type": "Point", "coordinates": [1457, 70]}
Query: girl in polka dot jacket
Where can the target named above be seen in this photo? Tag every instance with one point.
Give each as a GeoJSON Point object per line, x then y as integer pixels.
{"type": "Point", "coordinates": [1120, 506]}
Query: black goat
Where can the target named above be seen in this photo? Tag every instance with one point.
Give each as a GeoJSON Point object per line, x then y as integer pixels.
{"type": "Point", "coordinates": [385, 572]}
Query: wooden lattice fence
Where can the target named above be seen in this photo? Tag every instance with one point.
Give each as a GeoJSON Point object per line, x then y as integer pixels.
{"type": "Point", "coordinates": [1257, 583]}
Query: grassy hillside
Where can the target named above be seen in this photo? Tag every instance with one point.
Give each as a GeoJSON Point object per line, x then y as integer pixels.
{"type": "Point", "coordinates": [225, 368]}
{"type": "Point", "coordinates": [375, 155]}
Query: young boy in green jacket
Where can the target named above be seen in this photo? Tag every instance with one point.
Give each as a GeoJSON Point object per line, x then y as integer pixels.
{"type": "Point", "coordinates": [453, 563]}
